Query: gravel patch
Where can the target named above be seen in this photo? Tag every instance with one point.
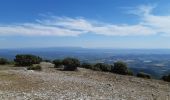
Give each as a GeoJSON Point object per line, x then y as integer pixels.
{"type": "Point", "coordinates": [52, 84]}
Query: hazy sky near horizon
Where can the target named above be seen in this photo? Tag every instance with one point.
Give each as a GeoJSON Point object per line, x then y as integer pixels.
{"type": "Point", "coordinates": [85, 23]}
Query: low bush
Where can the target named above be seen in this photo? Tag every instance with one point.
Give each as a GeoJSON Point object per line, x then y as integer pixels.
{"type": "Point", "coordinates": [37, 67]}
{"type": "Point", "coordinates": [46, 60]}
{"type": "Point", "coordinates": [3, 61]}
{"type": "Point", "coordinates": [129, 72]}
{"type": "Point", "coordinates": [57, 63]}
{"type": "Point", "coordinates": [87, 65]}
{"type": "Point", "coordinates": [96, 67]}
{"type": "Point", "coordinates": [27, 60]}
{"type": "Point", "coordinates": [11, 62]}
{"type": "Point", "coordinates": [102, 67]}
{"type": "Point", "coordinates": [71, 64]}
{"type": "Point", "coordinates": [143, 75]}
{"type": "Point", "coordinates": [166, 78]}
{"type": "Point", "coordinates": [121, 68]}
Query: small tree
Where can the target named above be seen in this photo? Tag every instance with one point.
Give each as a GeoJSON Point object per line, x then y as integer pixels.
{"type": "Point", "coordinates": [71, 64]}
{"type": "Point", "coordinates": [3, 61]}
{"type": "Point", "coordinates": [57, 63]}
{"type": "Point", "coordinates": [121, 68]}
{"type": "Point", "coordinates": [143, 75]}
{"type": "Point", "coordinates": [27, 60]}
{"type": "Point", "coordinates": [166, 78]}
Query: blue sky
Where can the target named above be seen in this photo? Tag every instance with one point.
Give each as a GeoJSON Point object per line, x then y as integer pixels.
{"type": "Point", "coordinates": [85, 23]}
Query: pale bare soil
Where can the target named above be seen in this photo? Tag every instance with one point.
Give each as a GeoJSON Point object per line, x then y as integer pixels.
{"type": "Point", "coordinates": [52, 84]}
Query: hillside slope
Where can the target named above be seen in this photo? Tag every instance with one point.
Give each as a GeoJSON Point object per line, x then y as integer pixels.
{"type": "Point", "coordinates": [52, 84]}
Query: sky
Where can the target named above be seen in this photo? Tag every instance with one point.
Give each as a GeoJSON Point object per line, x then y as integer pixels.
{"type": "Point", "coordinates": [85, 23]}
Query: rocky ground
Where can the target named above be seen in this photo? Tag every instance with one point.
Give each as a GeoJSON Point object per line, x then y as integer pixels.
{"type": "Point", "coordinates": [53, 84]}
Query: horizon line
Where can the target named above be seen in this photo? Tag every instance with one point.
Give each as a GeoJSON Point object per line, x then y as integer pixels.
{"type": "Point", "coordinates": [88, 48]}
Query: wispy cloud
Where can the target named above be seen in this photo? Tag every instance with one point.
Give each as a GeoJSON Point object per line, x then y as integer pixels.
{"type": "Point", "coordinates": [141, 10]}
{"type": "Point", "coordinates": [37, 29]}
{"type": "Point", "coordinates": [160, 24]}
{"type": "Point", "coordinates": [150, 24]}
{"type": "Point", "coordinates": [96, 27]}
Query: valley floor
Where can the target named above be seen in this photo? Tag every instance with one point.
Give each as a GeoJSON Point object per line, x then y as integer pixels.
{"type": "Point", "coordinates": [52, 84]}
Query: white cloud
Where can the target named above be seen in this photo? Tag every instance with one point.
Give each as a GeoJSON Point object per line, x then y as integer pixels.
{"type": "Point", "coordinates": [150, 24]}
{"type": "Point", "coordinates": [160, 24]}
{"type": "Point", "coordinates": [37, 29]}
{"type": "Point", "coordinates": [87, 26]}
{"type": "Point", "coordinates": [142, 10]}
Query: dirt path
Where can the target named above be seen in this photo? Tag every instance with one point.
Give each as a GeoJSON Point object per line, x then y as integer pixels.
{"type": "Point", "coordinates": [52, 84]}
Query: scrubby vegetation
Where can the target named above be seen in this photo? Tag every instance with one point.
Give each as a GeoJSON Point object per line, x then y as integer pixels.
{"type": "Point", "coordinates": [166, 78]}
{"type": "Point", "coordinates": [118, 67]}
{"type": "Point", "coordinates": [97, 67]}
{"type": "Point", "coordinates": [87, 65]}
{"type": "Point", "coordinates": [121, 68]}
{"type": "Point", "coordinates": [71, 64]}
{"type": "Point", "coordinates": [46, 60]}
{"type": "Point", "coordinates": [3, 61]}
{"type": "Point", "coordinates": [27, 60]}
{"type": "Point", "coordinates": [37, 67]}
{"type": "Point", "coordinates": [57, 63]}
{"type": "Point", "coordinates": [143, 75]}
{"type": "Point", "coordinates": [102, 67]}
{"type": "Point", "coordinates": [129, 72]}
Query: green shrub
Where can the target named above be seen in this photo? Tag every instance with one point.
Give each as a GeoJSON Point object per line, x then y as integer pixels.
{"type": "Point", "coordinates": [87, 65]}
{"type": "Point", "coordinates": [27, 60]}
{"type": "Point", "coordinates": [57, 63]}
{"type": "Point", "coordinates": [46, 60]}
{"type": "Point", "coordinates": [166, 78]}
{"type": "Point", "coordinates": [37, 67]}
{"type": "Point", "coordinates": [11, 62]}
{"type": "Point", "coordinates": [102, 67]}
{"type": "Point", "coordinates": [96, 67]}
{"type": "Point", "coordinates": [143, 75]}
{"type": "Point", "coordinates": [3, 61]}
{"type": "Point", "coordinates": [120, 68]}
{"type": "Point", "coordinates": [71, 64]}
{"type": "Point", "coordinates": [129, 72]}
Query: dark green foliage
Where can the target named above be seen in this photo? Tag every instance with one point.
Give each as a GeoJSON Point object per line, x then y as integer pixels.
{"type": "Point", "coordinates": [71, 64]}
{"type": "Point", "coordinates": [37, 67]}
{"type": "Point", "coordinates": [130, 72]}
{"type": "Point", "coordinates": [166, 78]}
{"type": "Point", "coordinates": [96, 67]}
{"type": "Point", "coordinates": [11, 62]}
{"type": "Point", "coordinates": [46, 60]}
{"type": "Point", "coordinates": [57, 63]}
{"type": "Point", "coordinates": [27, 60]}
{"type": "Point", "coordinates": [121, 68]}
{"type": "Point", "coordinates": [86, 65]}
{"type": "Point", "coordinates": [143, 75]}
{"type": "Point", "coordinates": [3, 61]}
{"type": "Point", "coordinates": [102, 67]}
